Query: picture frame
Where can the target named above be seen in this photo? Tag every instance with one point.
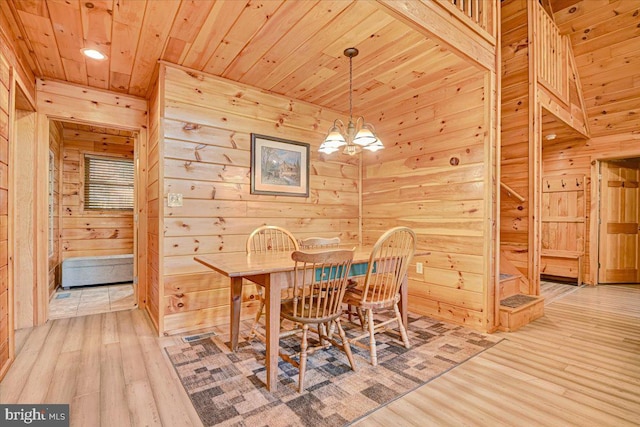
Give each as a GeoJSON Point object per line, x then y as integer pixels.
{"type": "Point", "coordinates": [279, 166]}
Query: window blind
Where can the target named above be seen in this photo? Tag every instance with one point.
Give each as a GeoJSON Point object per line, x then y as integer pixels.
{"type": "Point", "coordinates": [108, 183]}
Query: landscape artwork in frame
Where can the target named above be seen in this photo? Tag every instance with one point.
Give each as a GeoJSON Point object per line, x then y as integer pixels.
{"type": "Point", "coordinates": [279, 166]}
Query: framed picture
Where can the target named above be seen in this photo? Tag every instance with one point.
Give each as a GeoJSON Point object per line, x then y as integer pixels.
{"type": "Point", "coordinates": [279, 166]}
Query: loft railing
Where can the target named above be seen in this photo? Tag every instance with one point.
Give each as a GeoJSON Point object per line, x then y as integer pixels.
{"type": "Point", "coordinates": [479, 15]}
{"type": "Point", "coordinates": [551, 54]}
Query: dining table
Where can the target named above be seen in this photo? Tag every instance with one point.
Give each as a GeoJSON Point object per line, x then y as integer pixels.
{"type": "Point", "coordinates": [274, 272]}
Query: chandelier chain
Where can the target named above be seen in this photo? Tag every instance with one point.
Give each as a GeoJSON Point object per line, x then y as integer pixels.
{"type": "Point", "coordinates": [350, 88]}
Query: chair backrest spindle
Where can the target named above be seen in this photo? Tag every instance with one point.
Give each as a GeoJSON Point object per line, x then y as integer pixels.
{"type": "Point", "coordinates": [388, 265]}
{"type": "Point", "coordinates": [318, 242]}
{"type": "Point", "coordinates": [320, 280]}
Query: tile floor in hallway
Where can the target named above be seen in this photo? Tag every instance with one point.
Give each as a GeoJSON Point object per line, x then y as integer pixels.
{"type": "Point", "coordinates": [87, 300]}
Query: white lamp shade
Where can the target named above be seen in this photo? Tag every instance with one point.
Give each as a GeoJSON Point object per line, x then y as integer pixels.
{"type": "Point", "coordinates": [364, 137]}
{"type": "Point", "coordinates": [334, 139]}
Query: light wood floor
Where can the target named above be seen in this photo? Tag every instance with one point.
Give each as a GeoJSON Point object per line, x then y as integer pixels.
{"type": "Point", "coordinates": [110, 367]}
{"type": "Point", "coordinates": [578, 365]}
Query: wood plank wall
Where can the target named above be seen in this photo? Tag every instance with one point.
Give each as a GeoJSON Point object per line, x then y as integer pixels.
{"type": "Point", "coordinates": [5, 308]}
{"type": "Point", "coordinates": [563, 227]}
{"type": "Point", "coordinates": [206, 138]}
{"type": "Point", "coordinates": [14, 56]}
{"type": "Point", "coordinates": [92, 232]}
{"type": "Point", "coordinates": [606, 40]}
{"type": "Point", "coordinates": [563, 213]}
{"type": "Point", "coordinates": [430, 178]}
{"type": "Point", "coordinates": [55, 145]}
{"type": "Point", "coordinates": [514, 229]}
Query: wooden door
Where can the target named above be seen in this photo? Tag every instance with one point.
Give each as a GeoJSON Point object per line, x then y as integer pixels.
{"type": "Point", "coordinates": [619, 252]}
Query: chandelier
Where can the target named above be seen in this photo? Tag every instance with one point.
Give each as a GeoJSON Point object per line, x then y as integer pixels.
{"type": "Point", "coordinates": [355, 136]}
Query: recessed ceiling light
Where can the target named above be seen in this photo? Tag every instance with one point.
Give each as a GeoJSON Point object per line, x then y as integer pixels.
{"type": "Point", "coordinates": [550, 136]}
{"type": "Point", "coordinates": [94, 54]}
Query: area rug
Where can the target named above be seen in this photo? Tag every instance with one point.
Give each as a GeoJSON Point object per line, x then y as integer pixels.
{"type": "Point", "coordinates": [228, 389]}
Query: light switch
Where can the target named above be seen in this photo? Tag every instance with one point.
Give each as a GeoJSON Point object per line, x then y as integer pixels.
{"type": "Point", "coordinates": [419, 267]}
{"type": "Point", "coordinates": [174, 200]}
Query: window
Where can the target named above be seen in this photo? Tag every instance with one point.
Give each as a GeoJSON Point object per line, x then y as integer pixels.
{"type": "Point", "coordinates": [108, 183]}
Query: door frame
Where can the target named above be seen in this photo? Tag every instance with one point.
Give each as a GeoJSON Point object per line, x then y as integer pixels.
{"type": "Point", "coordinates": [68, 102]}
{"type": "Point", "coordinates": [596, 197]}
{"type": "Point", "coordinates": [19, 99]}
{"type": "Point", "coordinates": [138, 198]}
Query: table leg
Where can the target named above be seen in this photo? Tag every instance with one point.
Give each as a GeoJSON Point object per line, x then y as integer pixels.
{"type": "Point", "coordinates": [236, 299]}
{"type": "Point", "coordinates": [272, 306]}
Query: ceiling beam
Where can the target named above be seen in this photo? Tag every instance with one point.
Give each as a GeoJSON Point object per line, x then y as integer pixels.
{"type": "Point", "coordinates": [433, 21]}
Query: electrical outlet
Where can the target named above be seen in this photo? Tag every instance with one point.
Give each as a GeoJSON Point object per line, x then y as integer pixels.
{"type": "Point", "coordinates": [419, 267]}
{"type": "Point", "coordinates": [174, 200]}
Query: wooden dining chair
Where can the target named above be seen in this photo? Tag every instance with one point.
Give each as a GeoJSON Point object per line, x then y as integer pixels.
{"type": "Point", "coordinates": [268, 238]}
{"type": "Point", "coordinates": [271, 238]}
{"type": "Point", "coordinates": [319, 242]}
{"type": "Point", "coordinates": [325, 242]}
{"type": "Point", "coordinates": [320, 280]}
{"type": "Point", "coordinates": [388, 264]}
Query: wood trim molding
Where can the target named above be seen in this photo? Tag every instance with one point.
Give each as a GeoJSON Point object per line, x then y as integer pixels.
{"type": "Point", "coordinates": [535, 152]}
{"type": "Point", "coordinates": [548, 102]}
{"type": "Point", "coordinates": [74, 103]}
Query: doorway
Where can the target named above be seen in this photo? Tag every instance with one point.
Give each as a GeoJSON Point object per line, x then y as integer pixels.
{"type": "Point", "coordinates": [618, 235]}
{"type": "Point", "coordinates": [92, 227]}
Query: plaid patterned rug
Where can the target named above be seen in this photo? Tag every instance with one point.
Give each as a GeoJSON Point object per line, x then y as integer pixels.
{"type": "Point", "coordinates": [228, 389]}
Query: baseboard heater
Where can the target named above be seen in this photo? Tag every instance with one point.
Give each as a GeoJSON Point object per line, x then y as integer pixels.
{"type": "Point", "coordinates": [97, 270]}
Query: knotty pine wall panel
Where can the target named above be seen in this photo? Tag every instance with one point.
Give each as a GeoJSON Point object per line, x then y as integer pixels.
{"type": "Point", "coordinates": [91, 232]}
{"type": "Point", "coordinates": [205, 156]}
{"type": "Point", "coordinates": [55, 145]}
{"type": "Point", "coordinates": [605, 40]}
{"type": "Point", "coordinates": [514, 227]}
{"type": "Point", "coordinates": [430, 177]}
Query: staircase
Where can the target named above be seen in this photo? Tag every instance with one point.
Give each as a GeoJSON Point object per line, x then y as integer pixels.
{"type": "Point", "coordinates": [516, 307]}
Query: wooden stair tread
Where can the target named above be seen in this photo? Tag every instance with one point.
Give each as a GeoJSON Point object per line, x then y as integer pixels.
{"type": "Point", "coordinates": [519, 302]}
{"type": "Point", "coordinates": [519, 310]}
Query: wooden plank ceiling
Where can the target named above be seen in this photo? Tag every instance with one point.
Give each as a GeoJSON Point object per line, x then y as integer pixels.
{"type": "Point", "coordinates": [293, 48]}
{"type": "Point", "coordinates": [605, 35]}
